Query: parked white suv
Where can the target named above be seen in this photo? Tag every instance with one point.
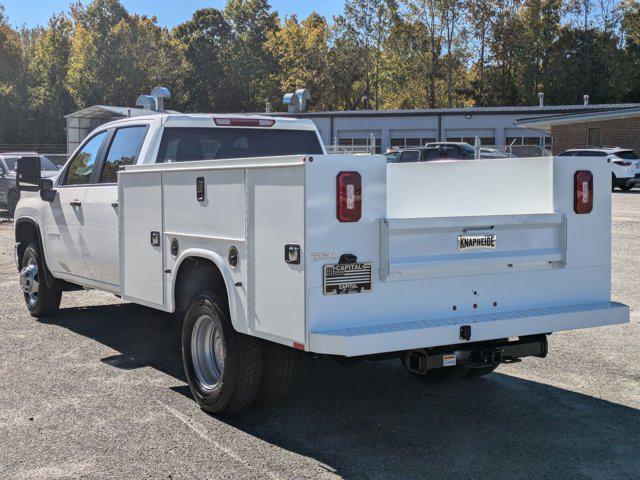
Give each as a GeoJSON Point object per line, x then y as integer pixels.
{"type": "Point", "coordinates": [625, 164]}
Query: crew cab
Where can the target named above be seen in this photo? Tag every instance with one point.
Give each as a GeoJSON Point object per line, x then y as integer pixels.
{"type": "Point", "coordinates": [625, 164]}
{"type": "Point", "coordinates": [268, 248]}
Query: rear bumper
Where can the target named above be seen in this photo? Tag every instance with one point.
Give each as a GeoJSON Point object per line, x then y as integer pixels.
{"type": "Point", "coordinates": [393, 337]}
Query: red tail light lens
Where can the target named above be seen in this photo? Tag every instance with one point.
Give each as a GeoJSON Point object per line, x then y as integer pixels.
{"type": "Point", "coordinates": [349, 196]}
{"type": "Point", "coordinates": [583, 192]}
{"type": "Point", "coordinates": [622, 163]}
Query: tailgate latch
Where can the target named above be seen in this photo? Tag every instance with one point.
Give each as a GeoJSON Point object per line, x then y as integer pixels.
{"type": "Point", "coordinates": [465, 332]}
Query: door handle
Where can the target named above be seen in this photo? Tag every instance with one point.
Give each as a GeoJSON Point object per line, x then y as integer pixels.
{"type": "Point", "coordinates": [114, 204]}
{"type": "Point", "coordinates": [75, 203]}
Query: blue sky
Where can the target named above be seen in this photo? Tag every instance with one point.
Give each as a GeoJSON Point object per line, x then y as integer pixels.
{"type": "Point", "coordinates": [169, 12]}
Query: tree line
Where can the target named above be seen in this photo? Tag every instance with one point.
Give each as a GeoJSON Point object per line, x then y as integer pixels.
{"type": "Point", "coordinates": [377, 54]}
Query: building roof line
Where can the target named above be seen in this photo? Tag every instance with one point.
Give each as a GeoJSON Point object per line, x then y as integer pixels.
{"type": "Point", "coordinates": [546, 122]}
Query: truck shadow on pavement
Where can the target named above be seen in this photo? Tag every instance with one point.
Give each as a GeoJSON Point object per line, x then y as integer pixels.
{"type": "Point", "coordinates": [374, 420]}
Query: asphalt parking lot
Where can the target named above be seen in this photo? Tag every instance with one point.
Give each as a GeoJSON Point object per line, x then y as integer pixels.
{"type": "Point", "coordinates": [98, 392]}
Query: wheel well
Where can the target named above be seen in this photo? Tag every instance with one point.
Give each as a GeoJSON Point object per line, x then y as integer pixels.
{"type": "Point", "coordinates": [26, 232]}
{"type": "Point", "coordinates": [194, 275]}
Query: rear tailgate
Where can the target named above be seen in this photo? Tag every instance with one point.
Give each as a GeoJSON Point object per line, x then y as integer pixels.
{"type": "Point", "coordinates": [494, 244]}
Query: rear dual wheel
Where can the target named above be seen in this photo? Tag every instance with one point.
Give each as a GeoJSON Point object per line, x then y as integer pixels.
{"type": "Point", "coordinates": [228, 371]}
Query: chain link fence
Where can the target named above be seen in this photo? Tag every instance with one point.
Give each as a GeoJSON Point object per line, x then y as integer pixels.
{"type": "Point", "coordinates": [350, 150]}
{"type": "Point", "coordinates": [9, 195]}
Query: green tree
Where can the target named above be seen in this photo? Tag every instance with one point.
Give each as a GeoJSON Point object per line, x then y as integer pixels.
{"type": "Point", "coordinates": [203, 43]}
{"type": "Point", "coordinates": [250, 64]}
{"type": "Point", "coordinates": [301, 52]}
{"type": "Point", "coordinates": [364, 25]}
{"type": "Point", "coordinates": [49, 99]}
{"type": "Point", "coordinates": [12, 84]}
{"type": "Point", "coordinates": [116, 56]}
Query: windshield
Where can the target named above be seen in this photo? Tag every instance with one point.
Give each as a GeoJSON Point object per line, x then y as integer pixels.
{"type": "Point", "coordinates": [627, 155]}
{"type": "Point", "coordinates": [45, 164]}
{"type": "Point", "coordinates": [192, 144]}
{"type": "Point", "coordinates": [392, 156]}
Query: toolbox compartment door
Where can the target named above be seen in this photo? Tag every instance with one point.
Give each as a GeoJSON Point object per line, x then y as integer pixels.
{"type": "Point", "coordinates": [140, 218]}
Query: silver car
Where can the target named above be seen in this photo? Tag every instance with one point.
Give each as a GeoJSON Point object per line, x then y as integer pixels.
{"type": "Point", "coordinates": [9, 196]}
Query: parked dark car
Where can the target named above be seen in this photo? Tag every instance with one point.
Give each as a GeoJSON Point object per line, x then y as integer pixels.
{"type": "Point", "coordinates": [430, 153]}
{"type": "Point", "coordinates": [9, 196]}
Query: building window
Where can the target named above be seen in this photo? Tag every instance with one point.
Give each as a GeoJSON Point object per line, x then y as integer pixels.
{"type": "Point", "coordinates": [595, 137]}
{"type": "Point", "coordinates": [410, 142]}
{"type": "Point", "coordinates": [519, 141]}
{"type": "Point", "coordinates": [360, 142]}
{"type": "Point", "coordinates": [472, 140]}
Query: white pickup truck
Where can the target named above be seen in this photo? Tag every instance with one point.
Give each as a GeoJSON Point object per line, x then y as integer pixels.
{"type": "Point", "coordinates": [267, 245]}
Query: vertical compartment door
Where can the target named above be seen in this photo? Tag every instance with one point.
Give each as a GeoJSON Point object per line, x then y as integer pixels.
{"type": "Point", "coordinates": [141, 231]}
{"type": "Point", "coordinates": [276, 218]}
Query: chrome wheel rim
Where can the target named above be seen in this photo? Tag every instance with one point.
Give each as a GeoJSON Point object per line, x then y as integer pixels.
{"type": "Point", "coordinates": [207, 351]}
{"type": "Point", "coordinates": [29, 281]}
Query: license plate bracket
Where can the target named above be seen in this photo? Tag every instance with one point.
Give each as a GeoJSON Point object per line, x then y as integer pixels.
{"type": "Point", "coordinates": [347, 278]}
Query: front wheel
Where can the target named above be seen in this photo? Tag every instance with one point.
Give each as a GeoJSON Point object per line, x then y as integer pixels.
{"type": "Point", "coordinates": [614, 182]}
{"type": "Point", "coordinates": [40, 299]}
{"type": "Point", "coordinates": [626, 187]}
{"type": "Point", "coordinates": [223, 367]}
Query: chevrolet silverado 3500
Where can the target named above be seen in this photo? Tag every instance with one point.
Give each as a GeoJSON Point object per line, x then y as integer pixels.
{"type": "Point", "coordinates": [267, 245]}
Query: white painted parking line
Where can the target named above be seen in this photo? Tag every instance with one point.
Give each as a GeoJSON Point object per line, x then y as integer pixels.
{"type": "Point", "coordinates": [201, 432]}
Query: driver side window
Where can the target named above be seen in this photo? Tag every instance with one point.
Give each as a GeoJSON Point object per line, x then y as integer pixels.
{"type": "Point", "coordinates": [80, 169]}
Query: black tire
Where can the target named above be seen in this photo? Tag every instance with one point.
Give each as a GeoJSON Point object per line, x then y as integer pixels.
{"type": "Point", "coordinates": [625, 187]}
{"type": "Point", "coordinates": [47, 301]}
{"type": "Point", "coordinates": [239, 380]}
{"type": "Point", "coordinates": [614, 182]}
{"type": "Point", "coordinates": [449, 374]}
{"type": "Point", "coordinates": [280, 364]}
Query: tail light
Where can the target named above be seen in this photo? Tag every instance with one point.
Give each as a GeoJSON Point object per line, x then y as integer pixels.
{"type": "Point", "coordinates": [349, 196]}
{"type": "Point", "coordinates": [583, 192]}
{"type": "Point", "coordinates": [622, 163]}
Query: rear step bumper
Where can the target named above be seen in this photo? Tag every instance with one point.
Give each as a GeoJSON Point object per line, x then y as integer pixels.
{"type": "Point", "coordinates": [394, 337]}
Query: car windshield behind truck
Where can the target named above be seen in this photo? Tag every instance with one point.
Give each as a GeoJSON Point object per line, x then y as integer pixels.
{"type": "Point", "coordinates": [192, 144]}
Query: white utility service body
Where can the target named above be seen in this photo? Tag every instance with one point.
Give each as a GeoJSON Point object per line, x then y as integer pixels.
{"type": "Point", "coordinates": [453, 266]}
{"type": "Point", "coordinates": [550, 269]}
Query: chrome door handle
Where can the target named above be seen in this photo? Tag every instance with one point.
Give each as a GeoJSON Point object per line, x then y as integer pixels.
{"type": "Point", "coordinates": [75, 203]}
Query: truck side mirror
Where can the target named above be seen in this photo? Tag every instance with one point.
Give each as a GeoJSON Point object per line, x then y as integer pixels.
{"type": "Point", "coordinates": [28, 174]}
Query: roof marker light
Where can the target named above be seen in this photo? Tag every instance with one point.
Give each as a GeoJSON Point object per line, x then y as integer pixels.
{"type": "Point", "coordinates": [244, 122]}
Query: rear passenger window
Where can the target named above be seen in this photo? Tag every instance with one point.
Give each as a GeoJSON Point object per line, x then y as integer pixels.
{"type": "Point", "coordinates": [592, 154]}
{"type": "Point", "coordinates": [81, 167]}
{"type": "Point", "coordinates": [124, 150]}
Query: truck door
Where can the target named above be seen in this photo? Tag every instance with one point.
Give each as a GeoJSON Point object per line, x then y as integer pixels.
{"type": "Point", "coordinates": [100, 206]}
{"type": "Point", "coordinates": [63, 218]}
